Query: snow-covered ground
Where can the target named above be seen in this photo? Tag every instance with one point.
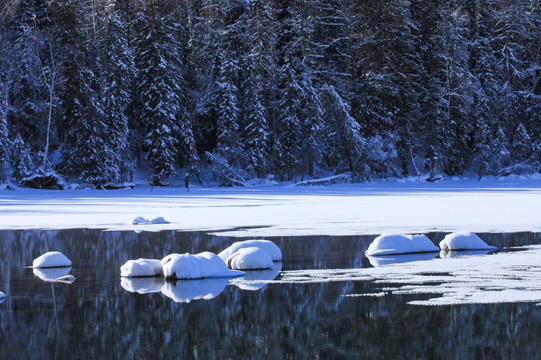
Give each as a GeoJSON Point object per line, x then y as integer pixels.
{"type": "Point", "coordinates": [407, 206]}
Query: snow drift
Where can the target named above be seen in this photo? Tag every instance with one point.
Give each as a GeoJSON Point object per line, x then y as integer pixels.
{"type": "Point", "coordinates": [395, 244]}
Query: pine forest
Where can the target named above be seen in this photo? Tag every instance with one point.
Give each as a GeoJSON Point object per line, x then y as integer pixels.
{"type": "Point", "coordinates": [95, 90]}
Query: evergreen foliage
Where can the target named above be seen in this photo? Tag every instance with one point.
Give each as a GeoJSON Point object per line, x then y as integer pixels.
{"type": "Point", "coordinates": [271, 87]}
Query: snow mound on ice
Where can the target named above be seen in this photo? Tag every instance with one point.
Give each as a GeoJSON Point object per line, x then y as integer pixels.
{"type": "Point", "coordinates": [141, 268]}
{"type": "Point", "coordinates": [268, 246]}
{"type": "Point", "coordinates": [394, 244]}
{"type": "Point", "coordinates": [464, 241]}
{"type": "Point", "coordinates": [250, 258]}
{"type": "Point", "coordinates": [199, 266]}
{"type": "Point", "coordinates": [51, 259]}
{"type": "Point", "coordinates": [57, 274]}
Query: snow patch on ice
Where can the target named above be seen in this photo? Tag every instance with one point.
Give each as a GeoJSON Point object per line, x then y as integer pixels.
{"type": "Point", "coordinates": [51, 259]}
{"type": "Point", "coordinates": [504, 277]}
{"type": "Point", "coordinates": [141, 268]}
{"type": "Point", "coordinates": [394, 244]}
{"type": "Point", "coordinates": [464, 241]}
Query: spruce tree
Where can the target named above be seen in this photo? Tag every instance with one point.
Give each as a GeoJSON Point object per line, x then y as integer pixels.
{"type": "Point", "coordinates": [158, 87]}
{"type": "Point", "coordinates": [22, 163]}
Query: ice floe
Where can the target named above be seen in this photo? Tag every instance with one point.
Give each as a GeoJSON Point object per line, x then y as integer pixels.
{"type": "Point", "coordinates": [199, 266]}
{"type": "Point", "coordinates": [185, 291]}
{"type": "Point", "coordinates": [250, 258]}
{"type": "Point", "coordinates": [141, 268]}
{"type": "Point", "coordinates": [268, 246]}
{"type": "Point", "coordinates": [504, 277]}
{"type": "Point", "coordinates": [54, 274]}
{"type": "Point", "coordinates": [51, 259]}
{"type": "Point", "coordinates": [394, 244]}
{"type": "Point", "coordinates": [464, 241]}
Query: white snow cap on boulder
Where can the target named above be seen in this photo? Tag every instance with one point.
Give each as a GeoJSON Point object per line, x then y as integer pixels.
{"type": "Point", "coordinates": [141, 268]}
{"type": "Point", "coordinates": [199, 266]}
{"type": "Point", "coordinates": [51, 259]}
{"type": "Point", "coordinates": [268, 246]}
{"type": "Point", "coordinates": [250, 258]}
{"type": "Point", "coordinates": [394, 244]}
{"type": "Point", "coordinates": [2, 295]}
{"type": "Point", "coordinates": [464, 241]}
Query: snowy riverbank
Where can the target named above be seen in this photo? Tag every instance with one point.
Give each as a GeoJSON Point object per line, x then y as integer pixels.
{"type": "Point", "coordinates": [401, 206]}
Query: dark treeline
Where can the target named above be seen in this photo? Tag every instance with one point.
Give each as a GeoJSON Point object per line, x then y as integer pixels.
{"type": "Point", "coordinates": [248, 89]}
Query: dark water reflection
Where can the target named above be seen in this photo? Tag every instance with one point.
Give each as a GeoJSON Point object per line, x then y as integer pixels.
{"type": "Point", "coordinates": [99, 317]}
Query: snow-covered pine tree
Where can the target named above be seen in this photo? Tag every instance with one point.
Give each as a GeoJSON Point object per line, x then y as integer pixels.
{"type": "Point", "coordinates": [22, 163]}
{"type": "Point", "coordinates": [5, 143]}
{"type": "Point", "coordinates": [158, 86]}
{"type": "Point", "coordinates": [288, 136]}
{"type": "Point", "coordinates": [345, 146]}
{"type": "Point", "coordinates": [117, 71]}
{"type": "Point", "coordinates": [27, 92]}
{"type": "Point", "coordinates": [88, 153]}
{"type": "Point", "coordinates": [522, 145]}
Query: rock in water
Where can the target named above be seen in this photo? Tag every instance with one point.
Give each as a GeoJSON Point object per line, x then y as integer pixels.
{"type": "Point", "coordinates": [51, 259]}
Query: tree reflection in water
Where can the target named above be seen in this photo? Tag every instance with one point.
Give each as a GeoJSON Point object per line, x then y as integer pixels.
{"type": "Point", "coordinates": [102, 317]}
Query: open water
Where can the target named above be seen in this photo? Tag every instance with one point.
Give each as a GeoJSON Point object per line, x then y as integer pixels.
{"type": "Point", "coordinates": [102, 316]}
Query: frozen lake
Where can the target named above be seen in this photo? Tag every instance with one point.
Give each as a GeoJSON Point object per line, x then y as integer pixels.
{"type": "Point", "coordinates": [324, 300]}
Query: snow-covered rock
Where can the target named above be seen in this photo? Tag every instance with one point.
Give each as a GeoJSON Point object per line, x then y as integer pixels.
{"type": "Point", "coordinates": [159, 220]}
{"type": "Point", "coordinates": [51, 259]}
{"type": "Point", "coordinates": [464, 241]}
{"type": "Point", "coordinates": [394, 244]}
{"type": "Point", "coordinates": [141, 268]}
{"type": "Point", "coordinates": [156, 221]}
{"type": "Point", "coordinates": [2, 295]}
{"type": "Point", "coordinates": [266, 245]}
{"type": "Point", "coordinates": [140, 221]}
{"type": "Point", "coordinates": [142, 285]}
{"type": "Point", "coordinates": [199, 266]}
{"type": "Point", "coordinates": [56, 274]}
{"type": "Point", "coordinates": [250, 258]}
{"type": "Point", "coordinates": [184, 291]}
